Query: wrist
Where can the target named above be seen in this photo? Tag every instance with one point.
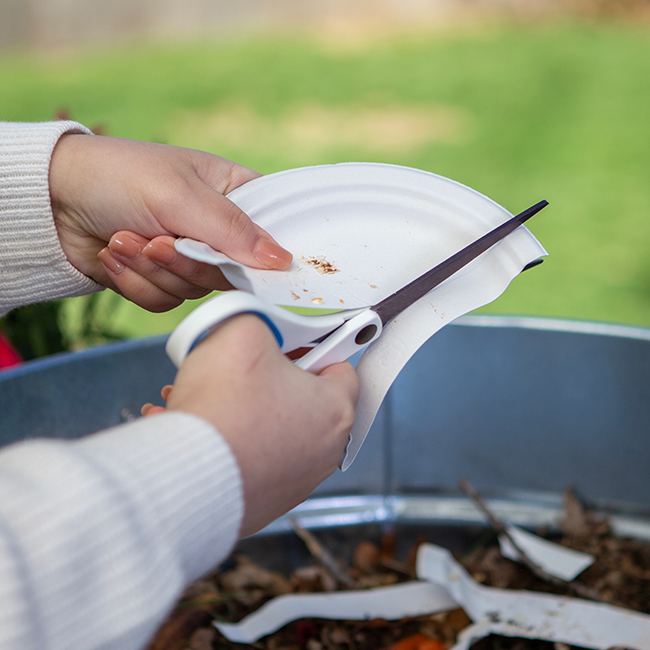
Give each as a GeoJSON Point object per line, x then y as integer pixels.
{"type": "Point", "coordinates": [63, 167]}
{"type": "Point", "coordinates": [64, 179]}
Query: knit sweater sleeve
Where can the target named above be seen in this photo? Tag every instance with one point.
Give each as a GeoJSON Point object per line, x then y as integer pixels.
{"type": "Point", "coordinates": [98, 537]}
{"type": "Point", "coordinates": [33, 266]}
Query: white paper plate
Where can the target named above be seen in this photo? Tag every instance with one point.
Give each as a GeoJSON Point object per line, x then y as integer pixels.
{"type": "Point", "coordinates": [380, 226]}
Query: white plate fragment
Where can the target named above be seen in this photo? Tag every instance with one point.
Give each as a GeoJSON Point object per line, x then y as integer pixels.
{"type": "Point", "coordinates": [532, 615]}
{"type": "Point", "coordinates": [560, 561]}
{"type": "Point", "coordinates": [446, 585]}
{"type": "Point", "coordinates": [390, 603]}
{"type": "Point", "coordinates": [380, 226]}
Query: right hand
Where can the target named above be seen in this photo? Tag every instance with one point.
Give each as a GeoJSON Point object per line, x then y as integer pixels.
{"type": "Point", "coordinates": [287, 428]}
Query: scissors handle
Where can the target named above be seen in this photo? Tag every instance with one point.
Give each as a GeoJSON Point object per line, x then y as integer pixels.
{"type": "Point", "coordinates": [336, 332]}
{"type": "Point", "coordinates": [353, 336]}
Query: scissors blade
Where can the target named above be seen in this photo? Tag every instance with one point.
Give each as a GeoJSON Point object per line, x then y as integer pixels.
{"type": "Point", "coordinates": [414, 290]}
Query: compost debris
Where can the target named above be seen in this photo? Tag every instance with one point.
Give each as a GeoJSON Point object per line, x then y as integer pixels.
{"type": "Point", "coordinates": [620, 574]}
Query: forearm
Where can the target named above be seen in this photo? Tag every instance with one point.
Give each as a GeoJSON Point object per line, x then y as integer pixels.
{"type": "Point", "coordinates": [33, 267]}
{"type": "Point", "coordinates": [98, 537]}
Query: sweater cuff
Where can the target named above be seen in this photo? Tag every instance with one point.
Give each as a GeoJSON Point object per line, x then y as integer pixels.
{"type": "Point", "coordinates": [34, 266]}
{"type": "Point", "coordinates": [182, 473]}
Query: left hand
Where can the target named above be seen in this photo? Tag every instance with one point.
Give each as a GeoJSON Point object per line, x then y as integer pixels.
{"type": "Point", "coordinates": [119, 204]}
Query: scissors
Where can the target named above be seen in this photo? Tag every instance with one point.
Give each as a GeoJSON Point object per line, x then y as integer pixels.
{"type": "Point", "coordinates": [334, 337]}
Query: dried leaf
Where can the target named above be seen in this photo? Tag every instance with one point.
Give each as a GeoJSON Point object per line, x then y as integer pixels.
{"type": "Point", "coordinates": [334, 637]}
{"type": "Point", "coordinates": [373, 580]}
{"type": "Point", "coordinates": [367, 557]}
{"type": "Point", "coordinates": [250, 584]}
{"type": "Point", "coordinates": [445, 625]}
{"type": "Point", "coordinates": [417, 642]}
{"type": "Point", "coordinates": [577, 521]}
{"type": "Point", "coordinates": [202, 639]}
{"type": "Point", "coordinates": [178, 628]}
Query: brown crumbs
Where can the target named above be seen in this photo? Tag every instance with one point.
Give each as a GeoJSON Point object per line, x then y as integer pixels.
{"type": "Point", "coordinates": [295, 296]}
{"type": "Point", "coordinates": [321, 265]}
{"type": "Point", "coordinates": [317, 300]}
{"type": "Point", "coordinates": [342, 301]}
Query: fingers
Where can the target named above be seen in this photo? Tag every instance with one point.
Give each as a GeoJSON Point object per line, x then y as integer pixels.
{"type": "Point", "coordinates": [134, 286]}
{"type": "Point", "coordinates": [151, 409]}
{"type": "Point", "coordinates": [345, 377]}
{"type": "Point", "coordinates": [160, 265]}
{"type": "Point", "coordinates": [223, 176]}
{"type": "Point", "coordinates": [127, 247]}
{"type": "Point", "coordinates": [161, 251]}
{"type": "Point", "coordinates": [344, 381]}
{"type": "Point", "coordinates": [214, 219]}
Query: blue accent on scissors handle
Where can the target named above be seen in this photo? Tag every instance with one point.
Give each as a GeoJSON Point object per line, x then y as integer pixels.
{"type": "Point", "coordinates": [267, 321]}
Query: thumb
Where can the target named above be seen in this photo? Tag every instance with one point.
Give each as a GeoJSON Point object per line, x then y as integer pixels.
{"type": "Point", "coordinates": [345, 377]}
{"type": "Point", "coordinates": [214, 219]}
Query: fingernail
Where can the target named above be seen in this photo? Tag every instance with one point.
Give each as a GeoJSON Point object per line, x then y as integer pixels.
{"type": "Point", "coordinates": [161, 253]}
{"type": "Point", "coordinates": [110, 262]}
{"type": "Point", "coordinates": [125, 246]}
{"type": "Point", "coordinates": [271, 255]}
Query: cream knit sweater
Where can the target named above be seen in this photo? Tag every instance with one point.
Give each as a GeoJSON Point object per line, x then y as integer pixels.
{"type": "Point", "coordinates": [98, 536]}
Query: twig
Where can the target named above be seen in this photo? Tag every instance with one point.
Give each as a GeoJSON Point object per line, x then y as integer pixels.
{"type": "Point", "coordinates": [578, 589]}
{"type": "Point", "coordinates": [396, 566]}
{"type": "Point", "coordinates": [321, 554]}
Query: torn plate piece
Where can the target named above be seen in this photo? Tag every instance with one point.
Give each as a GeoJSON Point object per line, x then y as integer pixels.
{"type": "Point", "coordinates": [389, 603]}
{"type": "Point", "coordinates": [531, 615]}
{"type": "Point", "coordinates": [361, 231]}
{"type": "Point", "coordinates": [560, 561]}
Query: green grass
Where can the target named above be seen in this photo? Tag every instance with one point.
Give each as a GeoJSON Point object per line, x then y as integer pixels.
{"type": "Point", "coordinates": [554, 111]}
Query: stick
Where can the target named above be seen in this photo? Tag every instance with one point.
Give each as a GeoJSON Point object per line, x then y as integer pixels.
{"type": "Point", "coordinates": [578, 589]}
{"type": "Point", "coordinates": [396, 566]}
{"type": "Point", "coordinates": [322, 554]}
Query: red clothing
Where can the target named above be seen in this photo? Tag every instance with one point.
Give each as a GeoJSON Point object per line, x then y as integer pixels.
{"type": "Point", "coordinates": [8, 355]}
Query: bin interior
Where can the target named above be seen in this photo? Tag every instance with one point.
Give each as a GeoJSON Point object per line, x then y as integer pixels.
{"type": "Point", "coordinates": [528, 405]}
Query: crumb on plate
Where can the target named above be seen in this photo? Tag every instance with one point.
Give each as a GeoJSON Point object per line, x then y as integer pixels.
{"type": "Point", "coordinates": [321, 265]}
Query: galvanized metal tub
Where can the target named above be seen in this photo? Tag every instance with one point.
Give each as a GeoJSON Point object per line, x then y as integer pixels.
{"type": "Point", "coordinates": [520, 406]}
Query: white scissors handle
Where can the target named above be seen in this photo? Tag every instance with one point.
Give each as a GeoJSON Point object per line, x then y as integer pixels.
{"type": "Point", "coordinates": [353, 336]}
{"type": "Point", "coordinates": [351, 330]}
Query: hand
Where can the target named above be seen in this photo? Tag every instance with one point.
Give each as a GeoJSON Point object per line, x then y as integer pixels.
{"type": "Point", "coordinates": [107, 189]}
{"type": "Point", "coordinates": [153, 409]}
{"type": "Point", "coordinates": [287, 428]}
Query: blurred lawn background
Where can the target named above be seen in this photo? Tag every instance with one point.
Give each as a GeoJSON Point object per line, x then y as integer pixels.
{"type": "Point", "coordinates": [557, 110]}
